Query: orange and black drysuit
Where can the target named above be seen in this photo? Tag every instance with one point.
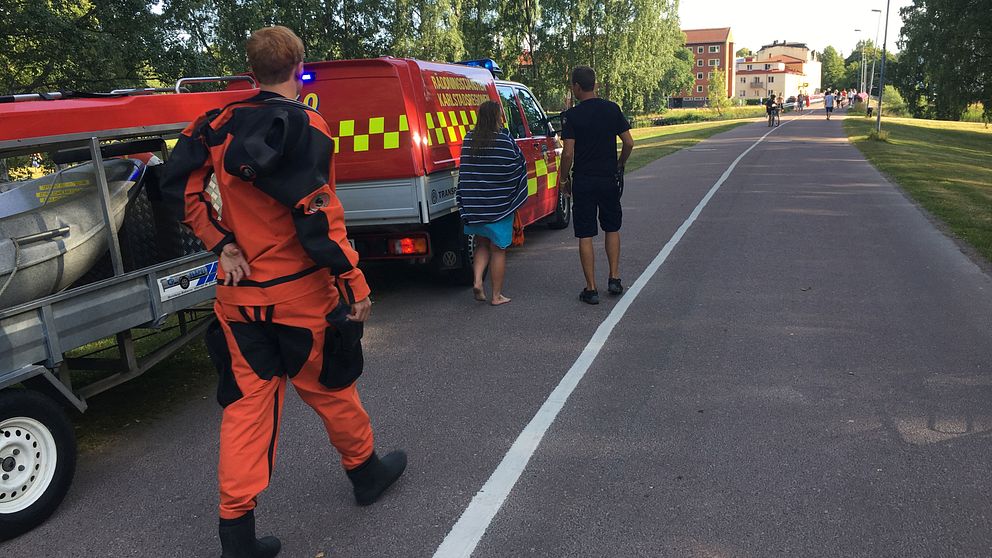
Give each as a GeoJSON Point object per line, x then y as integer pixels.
{"type": "Point", "coordinates": [271, 158]}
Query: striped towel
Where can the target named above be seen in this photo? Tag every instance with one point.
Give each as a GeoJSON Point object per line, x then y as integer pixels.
{"type": "Point", "coordinates": [491, 184]}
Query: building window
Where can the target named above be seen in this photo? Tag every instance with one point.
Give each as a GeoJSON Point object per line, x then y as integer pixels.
{"type": "Point", "coordinates": [743, 80]}
{"type": "Point", "coordinates": [768, 66]}
{"type": "Point", "coordinates": [749, 67]}
{"type": "Point", "coordinates": [714, 48]}
{"type": "Point", "coordinates": [699, 62]}
{"type": "Point", "coordinates": [699, 50]}
{"type": "Point", "coordinates": [714, 61]}
{"type": "Point", "coordinates": [743, 93]}
{"type": "Point", "coordinates": [699, 89]}
{"type": "Point", "coordinates": [699, 75]}
{"type": "Point", "coordinates": [771, 79]}
{"type": "Point", "coordinates": [711, 75]}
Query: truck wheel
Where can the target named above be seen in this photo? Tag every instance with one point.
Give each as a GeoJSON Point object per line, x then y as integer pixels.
{"type": "Point", "coordinates": [37, 459]}
{"type": "Point", "coordinates": [465, 275]}
{"type": "Point", "coordinates": [563, 211]}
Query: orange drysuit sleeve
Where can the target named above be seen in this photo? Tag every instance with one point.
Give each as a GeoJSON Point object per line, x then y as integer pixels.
{"type": "Point", "coordinates": [190, 165]}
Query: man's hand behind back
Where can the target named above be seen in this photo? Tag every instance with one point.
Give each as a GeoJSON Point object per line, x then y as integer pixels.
{"type": "Point", "coordinates": [361, 310]}
{"type": "Point", "coordinates": [234, 264]}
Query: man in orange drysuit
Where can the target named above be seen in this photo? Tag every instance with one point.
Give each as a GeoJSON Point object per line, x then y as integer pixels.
{"type": "Point", "coordinates": [281, 315]}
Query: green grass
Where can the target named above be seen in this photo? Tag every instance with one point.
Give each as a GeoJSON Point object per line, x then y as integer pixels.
{"type": "Point", "coordinates": [185, 375]}
{"type": "Point", "coordinates": [653, 143]}
{"type": "Point", "coordinates": [945, 166]}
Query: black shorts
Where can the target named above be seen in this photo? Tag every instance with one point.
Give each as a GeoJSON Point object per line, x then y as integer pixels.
{"type": "Point", "coordinates": [830, 109]}
{"type": "Point", "coordinates": [593, 195]}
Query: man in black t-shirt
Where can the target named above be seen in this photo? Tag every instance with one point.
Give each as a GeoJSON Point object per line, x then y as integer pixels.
{"type": "Point", "coordinates": [590, 131]}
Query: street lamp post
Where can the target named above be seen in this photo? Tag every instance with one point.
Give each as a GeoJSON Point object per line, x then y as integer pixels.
{"type": "Point", "coordinates": [871, 81]}
{"type": "Point", "coordinates": [881, 72]}
{"type": "Point", "coordinates": [861, 85]}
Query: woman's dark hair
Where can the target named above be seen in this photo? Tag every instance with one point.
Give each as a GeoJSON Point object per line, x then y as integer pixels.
{"type": "Point", "coordinates": [486, 127]}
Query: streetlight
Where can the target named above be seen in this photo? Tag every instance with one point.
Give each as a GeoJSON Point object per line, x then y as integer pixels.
{"type": "Point", "coordinates": [871, 82]}
{"type": "Point", "coordinates": [861, 83]}
{"type": "Point", "coordinates": [881, 72]}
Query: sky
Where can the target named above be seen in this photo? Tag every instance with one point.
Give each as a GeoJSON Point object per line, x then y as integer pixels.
{"type": "Point", "coordinates": [817, 24]}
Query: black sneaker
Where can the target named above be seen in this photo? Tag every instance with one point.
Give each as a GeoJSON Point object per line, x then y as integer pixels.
{"type": "Point", "coordinates": [615, 288]}
{"type": "Point", "coordinates": [589, 297]}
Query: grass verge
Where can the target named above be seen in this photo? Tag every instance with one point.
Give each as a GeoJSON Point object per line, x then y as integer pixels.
{"type": "Point", "coordinates": [185, 375]}
{"type": "Point", "coordinates": [653, 143]}
{"type": "Point", "coordinates": [945, 166]}
{"type": "Point", "coordinates": [689, 115]}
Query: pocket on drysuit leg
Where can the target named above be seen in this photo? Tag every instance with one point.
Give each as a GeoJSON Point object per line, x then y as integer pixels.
{"type": "Point", "coordinates": [220, 354]}
{"type": "Point", "coordinates": [343, 360]}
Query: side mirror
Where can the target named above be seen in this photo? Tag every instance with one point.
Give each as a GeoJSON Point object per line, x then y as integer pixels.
{"type": "Point", "coordinates": [553, 124]}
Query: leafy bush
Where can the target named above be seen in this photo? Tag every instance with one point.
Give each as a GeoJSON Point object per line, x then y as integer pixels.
{"type": "Point", "coordinates": [882, 136]}
{"type": "Point", "coordinates": [691, 115]}
{"type": "Point", "coordinates": [893, 104]}
{"type": "Point", "coordinates": [974, 113]}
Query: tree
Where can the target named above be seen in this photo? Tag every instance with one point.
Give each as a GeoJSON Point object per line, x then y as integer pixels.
{"type": "Point", "coordinates": [744, 52]}
{"type": "Point", "coordinates": [717, 95]}
{"type": "Point", "coordinates": [636, 46]}
{"type": "Point", "coordinates": [946, 51]}
{"type": "Point", "coordinates": [632, 45]}
{"type": "Point", "coordinates": [832, 68]}
{"type": "Point", "coordinates": [81, 44]}
{"type": "Point", "coordinates": [427, 29]}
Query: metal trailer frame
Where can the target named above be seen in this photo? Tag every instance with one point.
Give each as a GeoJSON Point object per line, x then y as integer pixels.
{"type": "Point", "coordinates": [35, 336]}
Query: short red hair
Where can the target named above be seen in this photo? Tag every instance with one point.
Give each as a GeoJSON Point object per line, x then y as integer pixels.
{"type": "Point", "coordinates": [273, 54]}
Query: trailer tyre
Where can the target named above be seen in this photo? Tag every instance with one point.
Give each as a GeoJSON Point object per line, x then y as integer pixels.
{"type": "Point", "coordinates": [37, 459]}
{"type": "Point", "coordinates": [563, 211]}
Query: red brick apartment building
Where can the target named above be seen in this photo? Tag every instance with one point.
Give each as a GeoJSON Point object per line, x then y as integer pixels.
{"type": "Point", "coordinates": [713, 50]}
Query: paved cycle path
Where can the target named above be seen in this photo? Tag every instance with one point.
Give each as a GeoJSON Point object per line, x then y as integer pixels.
{"type": "Point", "coordinates": [807, 374]}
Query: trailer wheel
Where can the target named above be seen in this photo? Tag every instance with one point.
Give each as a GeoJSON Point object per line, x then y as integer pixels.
{"type": "Point", "coordinates": [138, 236]}
{"type": "Point", "coordinates": [37, 459]}
{"type": "Point", "coordinates": [563, 211]}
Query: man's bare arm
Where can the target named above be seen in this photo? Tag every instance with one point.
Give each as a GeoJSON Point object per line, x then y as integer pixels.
{"type": "Point", "coordinates": [628, 147]}
{"type": "Point", "coordinates": [565, 172]}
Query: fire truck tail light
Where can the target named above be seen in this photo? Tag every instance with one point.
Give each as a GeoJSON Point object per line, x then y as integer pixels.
{"type": "Point", "coordinates": [409, 246]}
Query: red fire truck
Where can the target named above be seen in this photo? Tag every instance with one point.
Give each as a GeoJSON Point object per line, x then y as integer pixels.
{"type": "Point", "coordinates": [399, 126]}
{"type": "Point", "coordinates": [87, 254]}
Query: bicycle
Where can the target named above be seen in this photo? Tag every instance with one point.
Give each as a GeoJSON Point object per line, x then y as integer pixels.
{"type": "Point", "coordinates": [774, 118]}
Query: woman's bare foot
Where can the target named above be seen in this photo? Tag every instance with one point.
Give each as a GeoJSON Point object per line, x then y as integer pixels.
{"type": "Point", "coordinates": [499, 300]}
{"type": "Point", "coordinates": [480, 294]}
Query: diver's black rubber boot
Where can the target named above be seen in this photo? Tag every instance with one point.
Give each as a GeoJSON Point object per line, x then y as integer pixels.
{"type": "Point", "coordinates": [237, 539]}
{"type": "Point", "coordinates": [373, 477]}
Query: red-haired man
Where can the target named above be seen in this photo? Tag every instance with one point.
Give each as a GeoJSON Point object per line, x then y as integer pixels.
{"type": "Point", "coordinates": [290, 298]}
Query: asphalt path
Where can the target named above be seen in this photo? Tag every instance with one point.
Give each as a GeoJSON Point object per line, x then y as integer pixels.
{"type": "Point", "coordinates": [807, 374]}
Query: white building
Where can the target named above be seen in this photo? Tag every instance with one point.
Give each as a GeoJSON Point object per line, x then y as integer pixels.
{"type": "Point", "coordinates": [779, 69]}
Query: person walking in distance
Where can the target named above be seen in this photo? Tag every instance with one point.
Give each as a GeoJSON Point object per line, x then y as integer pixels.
{"type": "Point", "coordinates": [593, 176]}
{"type": "Point", "coordinates": [492, 185]}
{"type": "Point", "coordinates": [828, 103]}
{"type": "Point", "coordinates": [291, 300]}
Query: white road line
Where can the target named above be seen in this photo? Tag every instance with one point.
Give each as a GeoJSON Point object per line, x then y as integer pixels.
{"type": "Point", "coordinates": [471, 526]}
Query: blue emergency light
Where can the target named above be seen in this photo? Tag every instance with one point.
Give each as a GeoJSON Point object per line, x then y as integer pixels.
{"type": "Point", "coordinates": [487, 63]}
{"type": "Point", "coordinates": [307, 77]}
